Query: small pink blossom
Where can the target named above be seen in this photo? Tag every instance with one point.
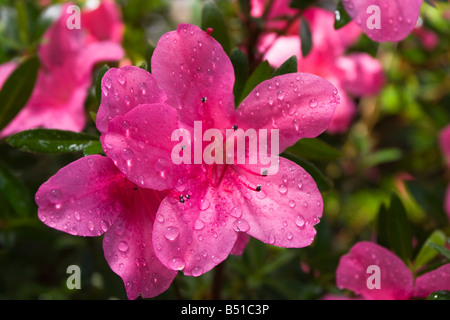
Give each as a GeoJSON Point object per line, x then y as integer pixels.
{"type": "Point", "coordinates": [444, 142]}
{"type": "Point", "coordinates": [67, 58]}
{"type": "Point", "coordinates": [396, 280]}
{"type": "Point", "coordinates": [355, 74]}
{"type": "Point", "coordinates": [397, 18]}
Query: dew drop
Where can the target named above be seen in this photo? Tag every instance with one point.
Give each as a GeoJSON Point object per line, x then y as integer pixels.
{"type": "Point", "coordinates": [313, 103]}
{"type": "Point", "coordinates": [176, 263]}
{"type": "Point", "coordinates": [90, 225]}
{"type": "Point", "coordinates": [108, 83]}
{"type": "Point", "coordinates": [291, 203]}
{"type": "Point", "coordinates": [104, 225]}
{"type": "Point", "coordinates": [197, 271]}
{"type": "Point", "coordinates": [199, 224]}
{"type": "Point", "coordinates": [159, 218]}
{"type": "Point", "coordinates": [300, 221]}
{"type": "Point", "coordinates": [171, 233]}
{"type": "Point", "coordinates": [122, 246]}
{"type": "Point", "coordinates": [282, 189]}
{"type": "Point", "coordinates": [289, 235]}
{"type": "Point", "coordinates": [121, 79]}
{"type": "Point", "coordinates": [203, 204]}
{"type": "Point", "coordinates": [236, 212]}
{"type": "Point", "coordinates": [55, 196]}
{"type": "Point", "coordinates": [241, 225]}
{"type": "Point", "coordinates": [127, 154]}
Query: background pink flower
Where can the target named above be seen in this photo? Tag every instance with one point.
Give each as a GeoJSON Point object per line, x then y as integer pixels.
{"type": "Point", "coordinates": [396, 280]}
{"type": "Point", "coordinates": [355, 74]}
{"type": "Point", "coordinates": [444, 142]}
{"type": "Point", "coordinates": [67, 58]}
{"type": "Point", "coordinates": [397, 17]}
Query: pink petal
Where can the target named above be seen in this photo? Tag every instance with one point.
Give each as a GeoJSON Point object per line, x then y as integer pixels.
{"type": "Point", "coordinates": [198, 234]}
{"type": "Point", "coordinates": [141, 148]}
{"type": "Point", "coordinates": [280, 49]}
{"type": "Point", "coordinates": [240, 244]}
{"type": "Point", "coordinates": [397, 17]}
{"type": "Point", "coordinates": [444, 143]}
{"type": "Point", "coordinates": [124, 89]}
{"type": "Point", "coordinates": [396, 281]}
{"type": "Point", "coordinates": [447, 202]}
{"type": "Point", "coordinates": [128, 246]}
{"type": "Point", "coordinates": [435, 280]}
{"type": "Point", "coordinates": [190, 65]}
{"type": "Point", "coordinates": [286, 209]}
{"type": "Point", "coordinates": [299, 105]}
{"type": "Point", "coordinates": [82, 198]}
{"type": "Point", "coordinates": [104, 23]}
{"type": "Point", "coordinates": [345, 111]}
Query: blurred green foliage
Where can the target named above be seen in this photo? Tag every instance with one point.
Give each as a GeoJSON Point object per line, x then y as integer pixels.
{"type": "Point", "coordinates": [388, 161]}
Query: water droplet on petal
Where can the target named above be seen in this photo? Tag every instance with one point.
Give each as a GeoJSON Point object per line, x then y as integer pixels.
{"type": "Point", "coordinates": [122, 246]}
{"type": "Point", "coordinates": [199, 224]}
{"type": "Point", "coordinates": [313, 103]}
{"type": "Point", "coordinates": [127, 154]}
{"type": "Point", "coordinates": [55, 196]}
{"type": "Point", "coordinates": [300, 221]}
{"type": "Point", "coordinates": [104, 225]}
{"type": "Point", "coordinates": [236, 212]}
{"type": "Point", "coordinates": [108, 83]}
{"type": "Point", "coordinates": [197, 271]}
{"type": "Point", "coordinates": [176, 263]}
{"type": "Point", "coordinates": [121, 79]}
{"type": "Point", "coordinates": [203, 204]}
{"type": "Point", "coordinates": [291, 203]}
{"type": "Point", "coordinates": [171, 233]}
{"type": "Point", "coordinates": [282, 189]}
{"type": "Point", "coordinates": [241, 225]}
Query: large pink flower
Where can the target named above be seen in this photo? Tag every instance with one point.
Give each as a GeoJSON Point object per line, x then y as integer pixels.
{"type": "Point", "coordinates": [211, 206]}
{"type": "Point", "coordinates": [444, 142]}
{"type": "Point", "coordinates": [396, 18]}
{"type": "Point", "coordinates": [396, 280]}
{"type": "Point", "coordinates": [355, 74]}
{"type": "Point", "coordinates": [206, 211]}
{"type": "Point", "coordinates": [67, 59]}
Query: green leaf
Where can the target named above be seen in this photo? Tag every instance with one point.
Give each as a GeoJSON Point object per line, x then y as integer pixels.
{"type": "Point", "coordinates": [314, 149]}
{"type": "Point", "coordinates": [51, 141]}
{"type": "Point", "coordinates": [398, 229]}
{"type": "Point", "coordinates": [13, 191]}
{"type": "Point", "coordinates": [212, 17]}
{"type": "Point", "coordinates": [94, 148]}
{"type": "Point", "coordinates": [17, 90]}
{"type": "Point", "coordinates": [439, 295]}
{"type": "Point", "coordinates": [98, 83]}
{"type": "Point", "coordinates": [241, 69]}
{"type": "Point", "coordinates": [382, 156]}
{"type": "Point", "coordinates": [323, 183]}
{"type": "Point", "coordinates": [441, 249]}
{"type": "Point", "coordinates": [305, 37]}
{"type": "Point", "coordinates": [427, 253]}
{"type": "Point", "coordinates": [341, 17]}
{"type": "Point", "coordinates": [262, 72]}
{"type": "Point", "coordinates": [289, 66]}
{"type": "Point", "coordinates": [301, 4]}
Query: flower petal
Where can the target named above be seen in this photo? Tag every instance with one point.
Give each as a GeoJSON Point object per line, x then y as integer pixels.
{"type": "Point", "coordinates": [82, 198]}
{"type": "Point", "coordinates": [361, 74]}
{"type": "Point", "coordinates": [299, 105]}
{"type": "Point", "coordinates": [197, 75]}
{"type": "Point", "coordinates": [435, 280]}
{"type": "Point", "coordinates": [141, 148]}
{"type": "Point", "coordinates": [345, 111]}
{"type": "Point", "coordinates": [286, 209]}
{"type": "Point", "coordinates": [122, 90]}
{"type": "Point", "coordinates": [104, 22]}
{"type": "Point", "coordinates": [397, 18]}
{"type": "Point", "coordinates": [396, 281]}
{"type": "Point", "coordinates": [198, 234]}
{"type": "Point", "coordinates": [128, 246]}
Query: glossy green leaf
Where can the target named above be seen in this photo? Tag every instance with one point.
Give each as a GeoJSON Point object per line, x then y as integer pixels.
{"type": "Point", "coordinates": [241, 70]}
{"type": "Point", "coordinates": [17, 90]}
{"type": "Point", "coordinates": [94, 148]}
{"type": "Point", "coordinates": [341, 17]}
{"type": "Point", "coordinates": [323, 183]}
{"type": "Point", "coordinates": [262, 72]}
{"type": "Point", "coordinates": [314, 149]}
{"type": "Point", "coordinates": [212, 17]}
{"type": "Point", "coordinates": [398, 229]}
{"type": "Point", "coordinates": [14, 194]}
{"type": "Point", "coordinates": [441, 249]}
{"type": "Point", "coordinates": [305, 37]}
{"type": "Point", "coordinates": [98, 83]}
{"type": "Point", "coordinates": [51, 141]}
{"type": "Point", "coordinates": [439, 295]}
{"type": "Point", "coordinates": [427, 253]}
{"type": "Point", "coordinates": [289, 66]}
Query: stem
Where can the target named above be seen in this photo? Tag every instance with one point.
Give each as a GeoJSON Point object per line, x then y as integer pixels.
{"type": "Point", "coordinates": [218, 281]}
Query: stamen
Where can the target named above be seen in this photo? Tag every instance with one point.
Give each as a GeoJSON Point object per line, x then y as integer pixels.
{"type": "Point", "coordinates": [204, 99]}
{"type": "Point", "coordinates": [178, 196]}
{"type": "Point", "coordinates": [235, 127]}
{"type": "Point", "coordinates": [245, 183]}
{"type": "Point", "coordinates": [263, 174]}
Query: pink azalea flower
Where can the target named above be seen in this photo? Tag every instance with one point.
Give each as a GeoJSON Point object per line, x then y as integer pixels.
{"type": "Point", "coordinates": [356, 74]}
{"type": "Point", "coordinates": [212, 209]}
{"type": "Point", "coordinates": [160, 217]}
{"type": "Point", "coordinates": [396, 280]}
{"type": "Point", "coordinates": [444, 142]}
{"type": "Point", "coordinates": [67, 59]}
{"type": "Point", "coordinates": [397, 18]}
